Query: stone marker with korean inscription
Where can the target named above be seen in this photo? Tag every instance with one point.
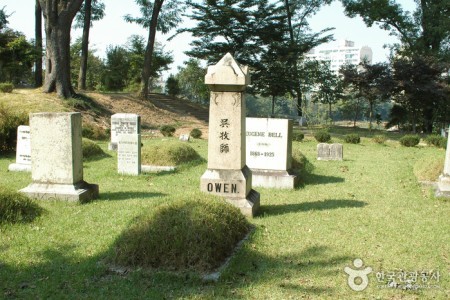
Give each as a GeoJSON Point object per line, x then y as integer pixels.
{"type": "Point", "coordinates": [269, 152]}
{"type": "Point", "coordinates": [443, 186]}
{"type": "Point", "coordinates": [23, 150]}
{"type": "Point", "coordinates": [330, 151]}
{"type": "Point", "coordinates": [57, 158]}
{"type": "Point", "coordinates": [129, 154]}
{"type": "Point", "coordinates": [227, 174]}
{"type": "Point", "coordinates": [123, 124]}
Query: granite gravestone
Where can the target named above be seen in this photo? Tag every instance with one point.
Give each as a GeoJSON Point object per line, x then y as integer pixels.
{"type": "Point", "coordinates": [57, 158]}
{"type": "Point", "coordinates": [23, 150]}
{"type": "Point", "coordinates": [123, 124]}
{"type": "Point", "coordinates": [443, 186]}
{"type": "Point", "coordinates": [330, 151]}
{"type": "Point", "coordinates": [227, 174]}
{"type": "Point", "coordinates": [129, 154]}
{"type": "Point", "coordinates": [269, 152]}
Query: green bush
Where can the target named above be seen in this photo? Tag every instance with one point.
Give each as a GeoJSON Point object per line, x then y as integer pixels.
{"type": "Point", "coordinates": [297, 136]}
{"type": "Point", "coordinates": [410, 140]}
{"type": "Point", "coordinates": [379, 139]}
{"type": "Point", "coordinates": [436, 140]}
{"type": "Point", "coordinates": [91, 149]}
{"type": "Point", "coordinates": [168, 153]}
{"type": "Point", "coordinates": [352, 138]}
{"type": "Point", "coordinates": [196, 133]}
{"type": "Point", "coordinates": [94, 132]}
{"type": "Point", "coordinates": [16, 207]}
{"type": "Point", "coordinates": [322, 136]}
{"type": "Point", "coordinates": [6, 87]}
{"type": "Point", "coordinates": [186, 234]}
{"type": "Point", "coordinates": [167, 130]}
{"type": "Point", "coordinates": [300, 163]}
{"type": "Point", "coordinates": [9, 121]}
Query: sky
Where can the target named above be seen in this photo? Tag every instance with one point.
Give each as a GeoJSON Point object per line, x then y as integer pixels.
{"type": "Point", "coordinates": [113, 30]}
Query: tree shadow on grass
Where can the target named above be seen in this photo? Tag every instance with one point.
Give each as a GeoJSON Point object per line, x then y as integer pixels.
{"type": "Point", "coordinates": [308, 206]}
{"type": "Point", "coordinates": [109, 196]}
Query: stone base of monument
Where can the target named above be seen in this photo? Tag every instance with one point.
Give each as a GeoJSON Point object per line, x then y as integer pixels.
{"type": "Point", "coordinates": [14, 167]}
{"type": "Point", "coordinates": [81, 191]}
{"type": "Point", "coordinates": [443, 187]}
{"type": "Point", "coordinates": [234, 185]}
{"type": "Point", "coordinates": [156, 169]}
{"type": "Point", "coordinates": [273, 179]}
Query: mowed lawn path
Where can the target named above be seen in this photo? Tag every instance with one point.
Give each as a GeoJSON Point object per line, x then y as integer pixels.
{"type": "Point", "coordinates": [369, 206]}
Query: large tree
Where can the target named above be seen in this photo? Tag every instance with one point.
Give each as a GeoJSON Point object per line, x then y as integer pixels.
{"type": "Point", "coordinates": [154, 17]}
{"type": "Point", "coordinates": [58, 17]}
{"type": "Point", "coordinates": [91, 10]}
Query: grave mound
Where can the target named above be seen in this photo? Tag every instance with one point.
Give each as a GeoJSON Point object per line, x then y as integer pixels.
{"type": "Point", "coordinates": [16, 207]}
{"type": "Point", "coordinates": [168, 153]}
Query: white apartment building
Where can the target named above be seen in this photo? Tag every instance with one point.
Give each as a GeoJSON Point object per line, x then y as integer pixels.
{"type": "Point", "coordinates": [343, 53]}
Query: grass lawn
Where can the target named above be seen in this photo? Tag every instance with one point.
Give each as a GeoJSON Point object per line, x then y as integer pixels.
{"type": "Point", "coordinates": [369, 206]}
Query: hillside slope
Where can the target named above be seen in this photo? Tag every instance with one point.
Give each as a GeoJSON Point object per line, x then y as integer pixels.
{"type": "Point", "coordinates": [97, 108]}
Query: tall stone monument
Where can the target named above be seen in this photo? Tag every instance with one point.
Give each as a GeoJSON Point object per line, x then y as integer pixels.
{"type": "Point", "coordinates": [57, 158]}
{"type": "Point", "coordinates": [443, 189]}
{"type": "Point", "coordinates": [23, 150]}
{"type": "Point", "coordinates": [269, 152]}
{"type": "Point", "coordinates": [227, 174]}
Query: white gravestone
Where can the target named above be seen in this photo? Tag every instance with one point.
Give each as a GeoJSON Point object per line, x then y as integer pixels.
{"type": "Point", "coordinates": [23, 150]}
{"type": "Point", "coordinates": [57, 158]}
{"type": "Point", "coordinates": [269, 152]}
{"type": "Point", "coordinates": [129, 154]}
{"type": "Point", "coordinates": [330, 151]}
{"type": "Point", "coordinates": [443, 186]}
{"type": "Point", "coordinates": [123, 124]}
{"type": "Point", "coordinates": [227, 174]}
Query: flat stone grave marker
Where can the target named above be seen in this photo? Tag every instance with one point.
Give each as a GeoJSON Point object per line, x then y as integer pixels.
{"type": "Point", "coordinates": [330, 151]}
{"type": "Point", "coordinates": [129, 154]}
{"type": "Point", "coordinates": [269, 152]}
{"type": "Point", "coordinates": [23, 150]}
{"type": "Point", "coordinates": [123, 123]}
{"type": "Point", "coordinates": [227, 174]}
{"type": "Point", "coordinates": [57, 158]}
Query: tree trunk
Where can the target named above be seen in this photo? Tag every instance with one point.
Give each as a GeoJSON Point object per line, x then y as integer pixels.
{"type": "Point", "coordinates": [58, 18]}
{"type": "Point", "coordinates": [146, 69]}
{"type": "Point", "coordinates": [329, 113]}
{"type": "Point", "coordinates": [38, 45]}
{"type": "Point", "coordinates": [356, 113]}
{"type": "Point", "coordinates": [85, 45]}
{"type": "Point", "coordinates": [370, 114]}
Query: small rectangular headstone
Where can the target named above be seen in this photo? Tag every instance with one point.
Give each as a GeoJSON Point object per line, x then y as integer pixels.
{"type": "Point", "coordinates": [129, 154]}
{"type": "Point", "coordinates": [330, 151]}
{"type": "Point", "coordinates": [23, 150]}
{"type": "Point", "coordinates": [184, 137]}
{"type": "Point", "coordinates": [123, 124]}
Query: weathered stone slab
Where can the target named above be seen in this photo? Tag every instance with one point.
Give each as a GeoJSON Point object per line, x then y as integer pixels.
{"type": "Point", "coordinates": [269, 152]}
{"type": "Point", "coordinates": [57, 162]}
{"type": "Point", "coordinates": [23, 150]}
{"type": "Point", "coordinates": [123, 124]}
{"type": "Point", "coordinates": [184, 137]}
{"type": "Point", "coordinates": [227, 174]}
{"type": "Point", "coordinates": [330, 151]}
{"type": "Point", "coordinates": [129, 154]}
{"type": "Point", "coordinates": [443, 186]}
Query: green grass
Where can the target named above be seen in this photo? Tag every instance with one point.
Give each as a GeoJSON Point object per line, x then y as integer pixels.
{"type": "Point", "coordinates": [369, 206]}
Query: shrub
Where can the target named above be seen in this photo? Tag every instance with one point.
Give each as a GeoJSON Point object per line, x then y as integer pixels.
{"type": "Point", "coordinates": [6, 87]}
{"type": "Point", "coordinates": [436, 140]}
{"type": "Point", "coordinates": [167, 130]}
{"type": "Point", "coordinates": [410, 140]}
{"type": "Point", "coordinates": [297, 136]}
{"type": "Point", "coordinates": [196, 133]}
{"type": "Point", "coordinates": [379, 139]}
{"type": "Point", "coordinates": [91, 149]}
{"type": "Point", "coordinates": [300, 163]}
{"type": "Point", "coordinates": [322, 136]}
{"type": "Point", "coordinates": [9, 121]}
{"type": "Point", "coordinates": [168, 153]}
{"type": "Point", "coordinates": [352, 138]}
{"type": "Point", "coordinates": [16, 207]}
{"type": "Point", "coordinates": [186, 234]}
{"type": "Point", "coordinates": [94, 132]}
